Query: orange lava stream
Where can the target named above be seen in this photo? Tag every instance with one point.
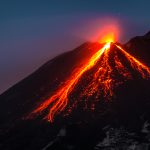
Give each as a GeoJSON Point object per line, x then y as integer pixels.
{"type": "Point", "coordinates": [59, 100]}
{"type": "Point", "coordinates": [136, 64]}
{"type": "Point", "coordinates": [103, 80]}
{"type": "Point", "coordinates": [112, 72]}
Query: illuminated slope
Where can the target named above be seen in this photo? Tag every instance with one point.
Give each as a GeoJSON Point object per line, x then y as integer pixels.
{"type": "Point", "coordinates": [60, 98]}
{"type": "Point", "coordinates": [110, 71]}
{"type": "Point", "coordinates": [115, 67]}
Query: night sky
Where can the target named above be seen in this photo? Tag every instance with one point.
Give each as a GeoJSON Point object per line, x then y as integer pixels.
{"type": "Point", "coordinates": [34, 31]}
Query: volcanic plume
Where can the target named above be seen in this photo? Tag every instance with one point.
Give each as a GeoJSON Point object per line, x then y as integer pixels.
{"type": "Point", "coordinates": [106, 69]}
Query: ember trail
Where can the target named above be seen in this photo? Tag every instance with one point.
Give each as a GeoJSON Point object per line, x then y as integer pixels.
{"type": "Point", "coordinates": [103, 80]}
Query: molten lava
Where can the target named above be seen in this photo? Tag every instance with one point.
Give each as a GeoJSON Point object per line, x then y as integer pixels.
{"type": "Point", "coordinates": [110, 71]}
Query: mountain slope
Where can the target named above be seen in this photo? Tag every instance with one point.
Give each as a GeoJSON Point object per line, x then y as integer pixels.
{"type": "Point", "coordinates": [127, 109]}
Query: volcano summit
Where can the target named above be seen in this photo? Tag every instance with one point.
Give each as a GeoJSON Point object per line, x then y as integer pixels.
{"type": "Point", "coordinates": [95, 97]}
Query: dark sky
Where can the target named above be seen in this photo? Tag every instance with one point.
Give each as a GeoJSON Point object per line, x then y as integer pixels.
{"type": "Point", "coordinates": [34, 31]}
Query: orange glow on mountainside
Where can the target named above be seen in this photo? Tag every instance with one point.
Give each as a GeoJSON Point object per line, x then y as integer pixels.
{"type": "Point", "coordinates": [105, 78]}
{"type": "Point", "coordinates": [107, 65]}
{"type": "Point", "coordinates": [60, 98]}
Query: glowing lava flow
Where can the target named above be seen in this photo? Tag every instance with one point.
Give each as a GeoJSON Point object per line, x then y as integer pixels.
{"type": "Point", "coordinates": [59, 100]}
{"type": "Point", "coordinates": [137, 65]}
{"type": "Point", "coordinates": [110, 72]}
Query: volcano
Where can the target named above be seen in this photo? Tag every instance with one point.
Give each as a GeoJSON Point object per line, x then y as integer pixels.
{"type": "Point", "coordinates": [110, 67]}
{"type": "Point", "coordinates": [94, 97]}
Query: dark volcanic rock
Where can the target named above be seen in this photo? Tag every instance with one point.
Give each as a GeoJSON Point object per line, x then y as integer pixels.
{"type": "Point", "coordinates": [121, 123]}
